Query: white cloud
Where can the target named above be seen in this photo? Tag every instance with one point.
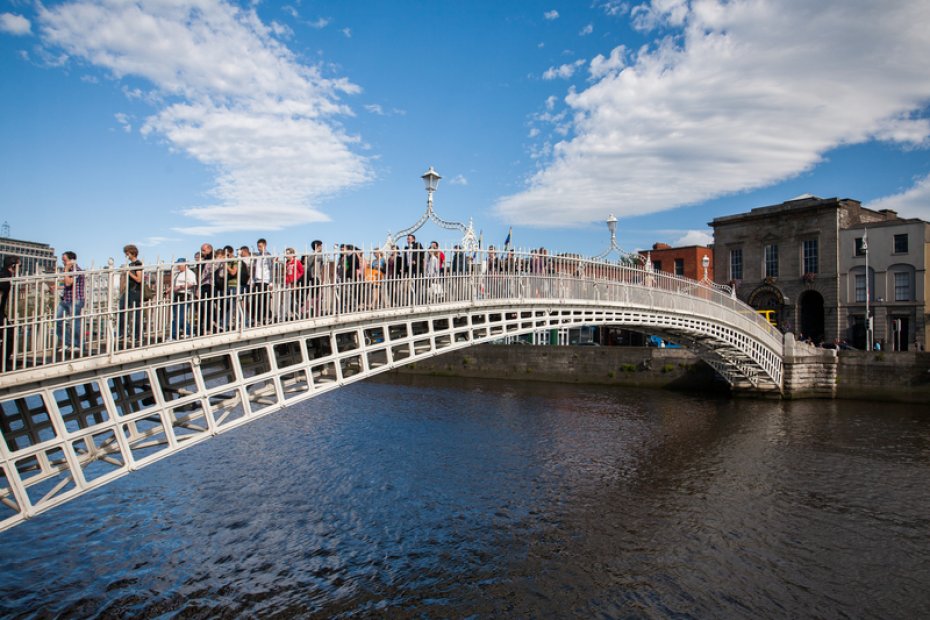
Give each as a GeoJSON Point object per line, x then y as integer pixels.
{"type": "Point", "coordinates": [914, 202]}
{"type": "Point", "coordinates": [615, 8]}
{"type": "Point", "coordinates": [586, 30]}
{"type": "Point", "coordinates": [649, 16]}
{"type": "Point", "coordinates": [601, 66]}
{"type": "Point", "coordinates": [241, 104]}
{"type": "Point", "coordinates": [458, 180]}
{"type": "Point", "coordinates": [694, 237]}
{"type": "Point", "coordinates": [281, 30]}
{"type": "Point", "coordinates": [14, 24]}
{"type": "Point", "coordinates": [746, 94]}
{"type": "Point", "coordinates": [123, 119]}
{"type": "Point", "coordinates": [551, 15]}
{"type": "Point", "coordinates": [320, 23]}
{"type": "Point", "coordinates": [347, 32]}
{"type": "Point", "coordinates": [563, 71]}
{"type": "Point", "coordinates": [374, 108]}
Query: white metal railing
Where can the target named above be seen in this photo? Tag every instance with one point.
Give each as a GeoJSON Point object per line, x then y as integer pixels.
{"type": "Point", "coordinates": [227, 297]}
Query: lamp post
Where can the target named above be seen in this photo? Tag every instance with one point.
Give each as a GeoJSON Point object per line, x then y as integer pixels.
{"type": "Point", "coordinates": [431, 181]}
{"type": "Point", "coordinates": [706, 263]}
{"type": "Point", "coordinates": [612, 227]}
{"type": "Point", "coordinates": [868, 317]}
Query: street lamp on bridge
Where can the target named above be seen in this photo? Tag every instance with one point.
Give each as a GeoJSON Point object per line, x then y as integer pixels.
{"type": "Point", "coordinates": [431, 182]}
{"type": "Point", "coordinates": [624, 256]}
{"type": "Point", "coordinates": [705, 262]}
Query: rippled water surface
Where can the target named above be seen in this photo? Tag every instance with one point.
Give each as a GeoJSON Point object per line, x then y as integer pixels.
{"type": "Point", "coordinates": [451, 498]}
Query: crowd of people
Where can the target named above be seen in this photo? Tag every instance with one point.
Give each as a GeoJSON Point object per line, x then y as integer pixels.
{"type": "Point", "coordinates": [223, 288]}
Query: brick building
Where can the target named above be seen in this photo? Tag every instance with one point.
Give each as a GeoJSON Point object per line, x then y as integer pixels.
{"type": "Point", "coordinates": [684, 261]}
{"type": "Point", "coordinates": [788, 258]}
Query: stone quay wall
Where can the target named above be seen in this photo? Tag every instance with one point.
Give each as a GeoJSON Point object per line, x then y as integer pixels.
{"type": "Point", "coordinates": [809, 372]}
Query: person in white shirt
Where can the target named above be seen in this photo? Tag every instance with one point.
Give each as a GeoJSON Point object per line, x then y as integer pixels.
{"type": "Point", "coordinates": [183, 284]}
{"type": "Point", "coordinates": [261, 283]}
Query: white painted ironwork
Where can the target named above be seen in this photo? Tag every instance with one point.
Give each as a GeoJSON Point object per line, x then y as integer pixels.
{"type": "Point", "coordinates": [431, 180]}
{"type": "Point", "coordinates": [136, 387]}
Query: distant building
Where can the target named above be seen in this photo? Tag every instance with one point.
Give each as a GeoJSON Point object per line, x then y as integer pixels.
{"type": "Point", "coordinates": [684, 261]}
{"type": "Point", "coordinates": [791, 258]}
{"type": "Point", "coordinates": [34, 257]}
{"type": "Point", "coordinates": [898, 285]}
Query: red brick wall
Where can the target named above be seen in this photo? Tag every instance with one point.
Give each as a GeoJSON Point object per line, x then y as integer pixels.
{"type": "Point", "coordinates": [691, 255]}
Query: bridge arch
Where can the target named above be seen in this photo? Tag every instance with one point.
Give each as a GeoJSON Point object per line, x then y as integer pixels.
{"type": "Point", "coordinates": [73, 426]}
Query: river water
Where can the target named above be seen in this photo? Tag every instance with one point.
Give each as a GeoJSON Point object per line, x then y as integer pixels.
{"type": "Point", "coordinates": [427, 497]}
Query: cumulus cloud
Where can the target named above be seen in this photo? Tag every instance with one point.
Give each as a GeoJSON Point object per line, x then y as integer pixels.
{"type": "Point", "coordinates": [586, 30]}
{"type": "Point", "coordinates": [232, 97]}
{"type": "Point", "coordinates": [14, 24]}
{"type": "Point", "coordinates": [601, 66]}
{"type": "Point", "coordinates": [694, 237]}
{"type": "Point", "coordinates": [551, 15]}
{"type": "Point", "coordinates": [563, 71]}
{"type": "Point", "coordinates": [458, 180]}
{"type": "Point", "coordinates": [914, 202]}
{"type": "Point", "coordinates": [734, 96]}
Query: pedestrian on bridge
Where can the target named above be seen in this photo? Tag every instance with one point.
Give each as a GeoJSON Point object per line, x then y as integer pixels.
{"type": "Point", "coordinates": [183, 285]}
{"type": "Point", "coordinates": [260, 285]}
{"type": "Point", "coordinates": [130, 316]}
{"type": "Point", "coordinates": [9, 271]}
{"type": "Point", "coordinates": [69, 326]}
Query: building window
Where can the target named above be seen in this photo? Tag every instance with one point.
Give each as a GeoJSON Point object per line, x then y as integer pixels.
{"type": "Point", "coordinates": [657, 265]}
{"type": "Point", "coordinates": [860, 250]}
{"type": "Point", "coordinates": [736, 264]}
{"type": "Point", "coordinates": [902, 286]}
{"type": "Point", "coordinates": [771, 261]}
{"type": "Point", "coordinates": [860, 288]}
{"type": "Point", "coordinates": [679, 266]}
{"type": "Point", "coordinates": [900, 244]}
{"type": "Point", "coordinates": [811, 260]}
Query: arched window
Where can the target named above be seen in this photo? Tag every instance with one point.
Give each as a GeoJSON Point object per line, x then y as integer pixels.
{"type": "Point", "coordinates": [901, 278]}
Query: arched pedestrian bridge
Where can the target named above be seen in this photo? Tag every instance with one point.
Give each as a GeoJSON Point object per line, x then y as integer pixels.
{"type": "Point", "coordinates": [131, 383]}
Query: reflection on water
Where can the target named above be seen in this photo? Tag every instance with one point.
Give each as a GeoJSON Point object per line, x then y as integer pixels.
{"type": "Point", "coordinates": [449, 498]}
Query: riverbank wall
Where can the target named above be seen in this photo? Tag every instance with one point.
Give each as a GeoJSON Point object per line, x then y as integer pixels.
{"type": "Point", "coordinates": [899, 376]}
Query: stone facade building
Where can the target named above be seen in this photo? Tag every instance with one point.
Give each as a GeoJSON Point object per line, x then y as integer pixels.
{"type": "Point", "coordinates": [33, 257]}
{"type": "Point", "coordinates": [898, 284]}
{"type": "Point", "coordinates": [786, 258]}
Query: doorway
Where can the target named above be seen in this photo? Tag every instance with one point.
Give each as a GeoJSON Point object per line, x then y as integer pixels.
{"type": "Point", "coordinates": [811, 310]}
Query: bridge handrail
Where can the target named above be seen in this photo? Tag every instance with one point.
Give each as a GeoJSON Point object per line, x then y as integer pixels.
{"type": "Point", "coordinates": [38, 333]}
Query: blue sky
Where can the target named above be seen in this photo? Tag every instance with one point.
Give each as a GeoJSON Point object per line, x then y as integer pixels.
{"type": "Point", "coordinates": [167, 123]}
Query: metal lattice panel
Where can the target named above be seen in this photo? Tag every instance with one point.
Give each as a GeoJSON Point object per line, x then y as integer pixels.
{"type": "Point", "coordinates": [76, 424]}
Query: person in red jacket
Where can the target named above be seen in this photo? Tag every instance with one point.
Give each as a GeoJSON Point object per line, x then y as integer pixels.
{"type": "Point", "coordinates": [293, 275]}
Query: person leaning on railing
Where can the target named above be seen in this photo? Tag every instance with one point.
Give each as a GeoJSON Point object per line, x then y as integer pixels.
{"type": "Point", "coordinates": [261, 283]}
{"type": "Point", "coordinates": [10, 268]}
{"type": "Point", "coordinates": [183, 285]}
{"type": "Point", "coordinates": [69, 327]}
{"type": "Point", "coordinates": [130, 316]}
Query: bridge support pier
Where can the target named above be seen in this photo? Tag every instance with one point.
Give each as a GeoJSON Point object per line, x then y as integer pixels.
{"type": "Point", "coordinates": [809, 372]}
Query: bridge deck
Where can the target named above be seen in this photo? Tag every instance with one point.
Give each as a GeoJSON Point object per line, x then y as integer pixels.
{"type": "Point", "coordinates": [74, 420]}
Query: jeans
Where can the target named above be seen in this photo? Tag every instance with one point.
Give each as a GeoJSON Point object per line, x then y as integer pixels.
{"type": "Point", "coordinates": [180, 316]}
{"type": "Point", "coordinates": [69, 325]}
